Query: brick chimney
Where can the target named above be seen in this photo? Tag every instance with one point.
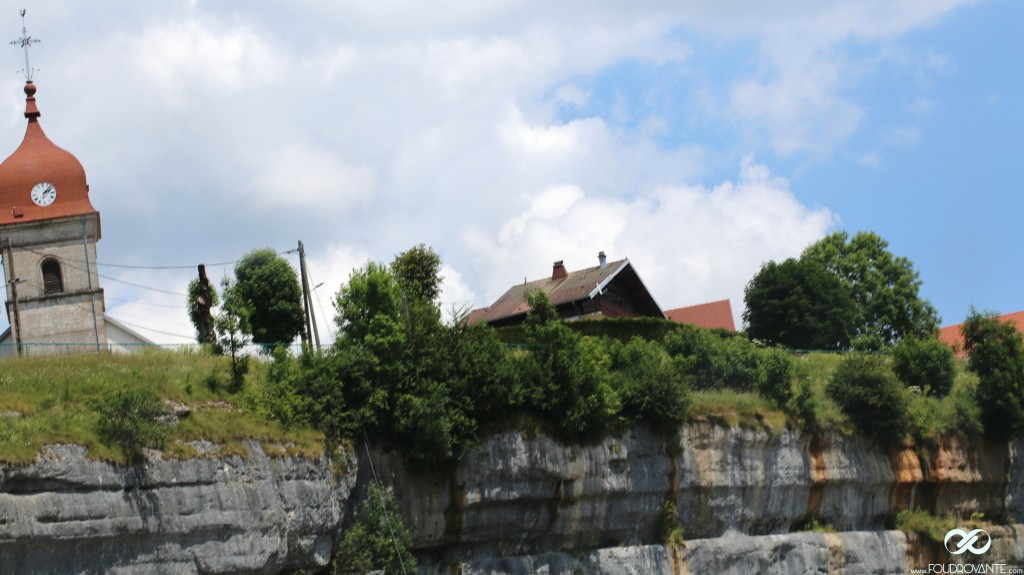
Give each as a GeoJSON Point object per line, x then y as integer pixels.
{"type": "Point", "coordinates": [558, 271]}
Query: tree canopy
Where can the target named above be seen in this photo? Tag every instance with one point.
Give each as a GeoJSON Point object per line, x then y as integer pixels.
{"type": "Point", "coordinates": [996, 354]}
{"type": "Point", "coordinates": [267, 294]}
{"type": "Point", "coordinates": [418, 273]}
{"type": "Point", "coordinates": [885, 288]}
{"type": "Point", "coordinates": [840, 293]}
{"type": "Point", "coordinates": [800, 305]}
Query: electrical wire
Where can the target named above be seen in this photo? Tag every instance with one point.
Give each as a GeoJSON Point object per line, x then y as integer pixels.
{"type": "Point", "coordinates": [135, 325]}
{"type": "Point", "coordinates": [384, 508]}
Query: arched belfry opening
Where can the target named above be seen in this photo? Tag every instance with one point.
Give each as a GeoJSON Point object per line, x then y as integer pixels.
{"type": "Point", "coordinates": [53, 279]}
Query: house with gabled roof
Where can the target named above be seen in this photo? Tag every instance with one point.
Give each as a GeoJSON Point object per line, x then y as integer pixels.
{"type": "Point", "coordinates": [609, 289]}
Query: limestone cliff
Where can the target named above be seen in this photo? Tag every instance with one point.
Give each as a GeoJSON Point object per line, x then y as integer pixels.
{"type": "Point", "coordinates": [516, 495]}
{"type": "Point", "coordinates": [255, 514]}
{"type": "Point", "coordinates": [518, 502]}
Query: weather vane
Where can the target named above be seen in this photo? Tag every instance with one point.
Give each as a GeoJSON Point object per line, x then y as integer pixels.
{"type": "Point", "coordinates": [25, 41]}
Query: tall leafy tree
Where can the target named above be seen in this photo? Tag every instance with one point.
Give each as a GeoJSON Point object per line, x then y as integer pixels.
{"type": "Point", "coordinates": [885, 288]}
{"type": "Point", "coordinates": [267, 287]}
{"type": "Point", "coordinates": [996, 353]}
{"type": "Point", "coordinates": [799, 304]}
{"type": "Point", "coordinates": [418, 273]}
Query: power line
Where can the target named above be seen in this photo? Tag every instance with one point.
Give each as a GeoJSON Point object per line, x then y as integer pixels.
{"type": "Point", "coordinates": [137, 326]}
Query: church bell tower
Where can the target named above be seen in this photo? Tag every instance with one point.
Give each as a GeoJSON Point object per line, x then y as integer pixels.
{"type": "Point", "coordinates": [48, 235]}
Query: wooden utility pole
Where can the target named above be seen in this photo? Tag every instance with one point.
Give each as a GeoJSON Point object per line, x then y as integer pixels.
{"type": "Point", "coordinates": [16, 326]}
{"type": "Point", "coordinates": [204, 305]}
{"type": "Point", "coordinates": [307, 300]}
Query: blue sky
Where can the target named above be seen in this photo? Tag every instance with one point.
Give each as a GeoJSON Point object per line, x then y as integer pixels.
{"type": "Point", "coordinates": [699, 141]}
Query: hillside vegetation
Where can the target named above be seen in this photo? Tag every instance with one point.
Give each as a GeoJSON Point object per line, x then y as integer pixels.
{"type": "Point", "coordinates": [57, 399]}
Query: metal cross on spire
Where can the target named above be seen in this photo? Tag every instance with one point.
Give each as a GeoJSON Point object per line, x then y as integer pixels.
{"type": "Point", "coordinates": [25, 41]}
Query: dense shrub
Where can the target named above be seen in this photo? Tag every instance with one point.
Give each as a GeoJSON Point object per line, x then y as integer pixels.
{"type": "Point", "coordinates": [775, 375]}
{"type": "Point", "coordinates": [576, 395]}
{"type": "Point", "coordinates": [996, 354]}
{"type": "Point", "coordinates": [653, 386]}
{"type": "Point", "coordinates": [926, 364]}
{"type": "Point", "coordinates": [729, 362]}
{"type": "Point", "coordinates": [128, 419]}
{"type": "Point", "coordinates": [378, 541]}
{"type": "Point", "coordinates": [869, 394]}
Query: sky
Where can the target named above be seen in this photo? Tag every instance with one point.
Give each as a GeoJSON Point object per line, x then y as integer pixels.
{"type": "Point", "coordinates": [698, 139]}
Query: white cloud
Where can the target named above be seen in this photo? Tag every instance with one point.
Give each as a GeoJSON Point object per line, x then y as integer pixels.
{"type": "Point", "coordinates": [690, 244]}
{"type": "Point", "coordinates": [195, 55]}
{"type": "Point", "coordinates": [307, 178]}
{"type": "Point", "coordinates": [367, 127]}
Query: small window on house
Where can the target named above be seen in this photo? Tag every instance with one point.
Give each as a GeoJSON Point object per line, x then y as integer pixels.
{"type": "Point", "coordinates": [53, 281]}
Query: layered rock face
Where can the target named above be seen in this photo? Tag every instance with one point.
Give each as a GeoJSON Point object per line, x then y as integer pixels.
{"type": "Point", "coordinates": [256, 514]}
{"type": "Point", "coordinates": [518, 502]}
{"type": "Point", "coordinates": [517, 497]}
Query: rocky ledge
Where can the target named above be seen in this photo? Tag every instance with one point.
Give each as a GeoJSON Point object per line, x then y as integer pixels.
{"type": "Point", "coordinates": [254, 514]}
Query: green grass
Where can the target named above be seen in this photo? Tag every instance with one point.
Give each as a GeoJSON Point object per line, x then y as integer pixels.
{"type": "Point", "coordinates": [934, 527]}
{"type": "Point", "coordinates": [737, 409]}
{"type": "Point", "coordinates": [46, 400]}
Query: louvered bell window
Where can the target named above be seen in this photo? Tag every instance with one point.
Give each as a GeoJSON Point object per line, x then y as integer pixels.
{"type": "Point", "coordinates": [53, 282]}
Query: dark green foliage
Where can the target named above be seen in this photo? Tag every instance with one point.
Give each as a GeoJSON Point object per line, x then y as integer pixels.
{"type": "Point", "coordinates": [869, 394]}
{"type": "Point", "coordinates": [267, 288]}
{"type": "Point", "coordinates": [804, 405]}
{"type": "Point", "coordinates": [232, 327]}
{"type": "Point", "coordinates": [718, 362]}
{"type": "Point", "coordinates": [926, 364]}
{"type": "Point", "coordinates": [884, 287]}
{"type": "Point", "coordinates": [280, 398]}
{"type": "Point", "coordinates": [378, 541]}
{"type": "Point", "coordinates": [799, 304]}
{"type": "Point", "coordinates": [418, 273]}
{"type": "Point", "coordinates": [652, 385]}
{"type": "Point", "coordinates": [200, 300]}
{"type": "Point", "coordinates": [725, 360]}
{"type": "Point", "coordinates": [775, 376]}
{"type": "Point", "coordinates": [574, 379]}
{"type": "Point", "coordinates": [128, 419]}
{"type": "Point", "coordinates": [996, 354]}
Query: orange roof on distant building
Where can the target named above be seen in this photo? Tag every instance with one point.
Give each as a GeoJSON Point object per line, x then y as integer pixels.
{"type": "Point", "coordinates": [713, 315]}
{"type": "Point", "coordinates": [952, 335]}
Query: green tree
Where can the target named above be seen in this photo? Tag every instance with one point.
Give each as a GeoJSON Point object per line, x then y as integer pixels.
{"type": "Point", "coordinates": [232, 326]}
{"type": "Point", "coordinates": [996, 354]}
{"type": "Point", "coordinates": [575, 392]}
{"type": "Point", "coordinates": [418, 273]}
{"type": "Point", "coordinates": [885, 288]}
{"type": "Point", "coordinates": [869, 394]}
{"type": "Point", "coordinates": [927, 364]}
{"type": "Point", "coordinates": [378, 541]}
{"type": "Point", "coordinates": [800, 305]}
{"type": "Point", "coordinates": [267, 286]}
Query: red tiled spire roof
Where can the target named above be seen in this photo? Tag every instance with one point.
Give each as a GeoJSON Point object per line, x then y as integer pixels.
{"type": "Point", "coordinates": [37, 160]}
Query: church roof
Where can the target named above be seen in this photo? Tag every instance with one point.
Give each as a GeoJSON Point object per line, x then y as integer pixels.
{"type": "Point", "coordinates": [37, 160]}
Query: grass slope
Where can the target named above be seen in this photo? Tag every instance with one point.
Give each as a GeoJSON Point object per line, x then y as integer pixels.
{"type": "Point", "coordinates": [47, 400]}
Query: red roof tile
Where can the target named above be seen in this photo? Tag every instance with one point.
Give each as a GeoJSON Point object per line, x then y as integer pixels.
{"type": "Point", "coordinates": [37, 160]}
{"type": "Point", "coordinates": [952, 335]}
{"type": "Point", "coordinates": [714, 315]}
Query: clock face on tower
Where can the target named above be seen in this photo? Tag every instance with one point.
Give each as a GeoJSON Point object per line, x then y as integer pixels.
{"type": "Point", "coordinates": [44, 193]}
